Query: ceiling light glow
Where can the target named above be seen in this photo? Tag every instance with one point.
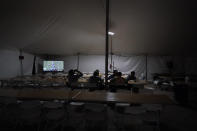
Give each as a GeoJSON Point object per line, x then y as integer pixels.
{"type": "Point", "coordinates": [111, 33]}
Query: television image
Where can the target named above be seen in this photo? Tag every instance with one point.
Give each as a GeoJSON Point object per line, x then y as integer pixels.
{"type": "Point", "coordinates": [53, 66]}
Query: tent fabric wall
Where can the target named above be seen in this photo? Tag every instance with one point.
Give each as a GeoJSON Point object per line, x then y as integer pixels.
{"type": "Point", "coordinates": [125, 64]}
{"type": "Point", "coordinates": [89, 63]}
{"type": "Point", "coordinates": [10, 64]}
{"type": "Point", "coordinates": [156, 64]}
{"type": "Point", "coordinates": [130, 63]}
{"type": "Point", "coordinates": [70, 62]}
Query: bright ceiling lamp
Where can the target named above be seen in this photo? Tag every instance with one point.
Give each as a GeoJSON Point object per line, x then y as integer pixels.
{"type": "Point", "coordinates": [111, 33]}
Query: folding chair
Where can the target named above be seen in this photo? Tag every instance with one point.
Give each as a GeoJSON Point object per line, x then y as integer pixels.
{"type": "Point", "coordinates": [55, 115]}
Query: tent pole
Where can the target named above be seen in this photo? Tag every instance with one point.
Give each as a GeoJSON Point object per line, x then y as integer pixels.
{"type": "Point", "coordinates": [21, 63]}
{"type": "Point", "coordinates": [146, 67]}
{"type": "Point", "coordinates": [78, 61]}
{"type": "Point", "coordinates": [111, 55]}
{"type": "Point", "coordinates": [107, 43]}
{"type": "Point", "coordinates": [113, 66]}
{"type": "Point", "coordinates": [34, 66]}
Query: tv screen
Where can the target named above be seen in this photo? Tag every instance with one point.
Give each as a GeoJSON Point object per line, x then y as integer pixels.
{"type": "Point", "coordinates": [53, 66]}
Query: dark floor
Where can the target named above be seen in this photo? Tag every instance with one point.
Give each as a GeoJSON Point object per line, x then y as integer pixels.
{"type": "Point", "coordinates": [173, 118]}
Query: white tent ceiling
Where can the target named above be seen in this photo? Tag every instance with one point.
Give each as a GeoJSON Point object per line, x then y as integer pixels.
{"type": "Point", "coordinates": [66, 27]}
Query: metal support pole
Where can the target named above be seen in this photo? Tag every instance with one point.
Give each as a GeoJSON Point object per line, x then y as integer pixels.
{"type": "Point", "coordinates": [111, 56]}
{"type": "Point", "coordinates": [34, 66]}
{"type": "Point", "coordinates": [78, 61]}
{"type": "Point", "coordinates": [146, 67]}
{"type": "Point", "coordinates": [107, 43]}
{"type": "Point", "coordinates": [21, 64]}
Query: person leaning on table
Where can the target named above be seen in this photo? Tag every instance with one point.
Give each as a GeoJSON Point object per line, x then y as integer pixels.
{"type": "Point", "coordinates": [118, 79]}
{"type": "Point", "coordinates": [131, 76]}
{"type": "Point", "coordinates": [96, 79]}
{"type": "Point", "coordinates": [113, 75]}
{"type": "Point", "coordinates": [73, 76]}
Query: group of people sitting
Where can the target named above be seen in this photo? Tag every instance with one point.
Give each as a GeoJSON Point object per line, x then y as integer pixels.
{"type": "Point", "coordinates": [115, 78]}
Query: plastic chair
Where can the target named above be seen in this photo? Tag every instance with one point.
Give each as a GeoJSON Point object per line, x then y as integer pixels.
{"type": "Point", "coordinates": [130, 119]}
{"type": "Point", "coordinates": [9, 112]}
{"type": "Point", "coordinates": [30, 114]}
{"type": "Point", "coordinates": [120, 107]}
{"type": "Point", "coordinates": [76, 115]}
{"type": "Point", "coordinates": [55, 115]}
{"type": "Point", "coordinates": [152, 117]}
{"type": "Point", "coordinates": [95, 116]}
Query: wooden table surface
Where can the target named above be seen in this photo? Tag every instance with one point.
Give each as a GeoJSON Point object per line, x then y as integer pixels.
{"type": "Point", "coordinates": [42, 94]}
{"type": "Point", "coordinates": [142, 82]}
{"type": "Point", "coordinates": [82, 80]}
{"type": "Point", "coordinates": [137, 82]}
{"type": "Point", "coordinates": [122, 97]}
{"type": "Point", "coordinates": [85, 96]}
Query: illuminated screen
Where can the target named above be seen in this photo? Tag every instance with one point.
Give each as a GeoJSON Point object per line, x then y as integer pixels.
{"type": "Point", "coordinates": [53, 66]}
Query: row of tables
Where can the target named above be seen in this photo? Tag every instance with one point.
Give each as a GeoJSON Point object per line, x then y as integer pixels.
{"type": "Point", "coordinates": [33, 81]}
{"type": "Point", "coordinates": [85, 96]}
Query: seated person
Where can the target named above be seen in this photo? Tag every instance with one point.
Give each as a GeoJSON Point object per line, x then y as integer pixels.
{"type": "Point", "coordinates": [142, 77]}
{"type": "Point", "coordinates": [131, 76]}
{"type": "Point", "coordinates": [113, 75]}
{"type": "Point", "coordinates": [74, 75]}
{"type": "Point", "coordinates": [157, 80]}
{"type": "Point", "coordinates": [95, 78]}
{"type": "Point", "coordinates": [118, 79]}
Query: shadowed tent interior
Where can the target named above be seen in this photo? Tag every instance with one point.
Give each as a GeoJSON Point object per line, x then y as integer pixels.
{"type": "Point", "coordinates": [67, 27]}
{"type": "Point", "coordinates": [154, 38]}
{"type": "Point", "coordinates": [71, 27]}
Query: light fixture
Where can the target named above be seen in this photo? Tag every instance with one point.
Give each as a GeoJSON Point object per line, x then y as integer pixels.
{"type": "Point", "coordinates": [111, 33]}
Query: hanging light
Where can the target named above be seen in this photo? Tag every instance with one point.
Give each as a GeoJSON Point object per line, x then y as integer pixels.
{"type": "Point", "coordinates": [111, 33]}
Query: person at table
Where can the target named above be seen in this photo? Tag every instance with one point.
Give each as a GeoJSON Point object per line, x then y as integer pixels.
{"type": "Point", "coordinates": [95, 78]}
{"type": "Point", "coordinates": [74, 75]}
{"type": "Point", "coordinates": [113, 75]}
{"type": "Point", "coordinates": [118, 79]}
{"type": "Point", "coordinates": [131, 76]}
